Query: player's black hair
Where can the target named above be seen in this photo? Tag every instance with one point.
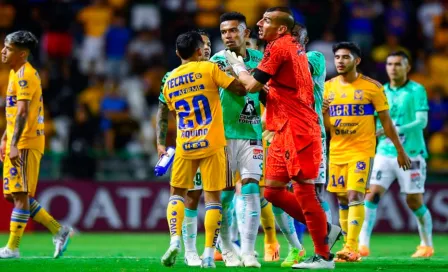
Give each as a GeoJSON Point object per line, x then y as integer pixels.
{"type": "Point", "coordinates": [187, 43]}
{"type": "Point", "coordinates": [400, 53]}
{"type": "Point", "coordinates": [353, 47]}
{"type": "Point", "coordinates": [22, 39]}
{"type": "Point", "coordinates": [203, 33]}
{"type": "Point", "coordinates": [302, 34]}
{"type": "Point", "coordinates": [287, 20]}
{"type": "Point", "coordinates": [233, 16]}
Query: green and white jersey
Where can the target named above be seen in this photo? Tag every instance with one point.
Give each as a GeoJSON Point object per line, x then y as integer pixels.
{"type": "Point", "coordinates": [404, 102]}
{"type": "Point", "coordinates": [161, 97]}
{"type": "Point", "coordinates": [242, 115]}
{"type": "Point", "coordinates": [317, 62]}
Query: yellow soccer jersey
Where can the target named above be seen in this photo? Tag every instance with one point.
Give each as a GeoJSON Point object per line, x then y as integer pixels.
{"type": "Point", "coordinates": [192, 91]}
{"type": "Point", "coordinates": [25, 85]}
{"type": "Point", "coordinates": [352, 117]}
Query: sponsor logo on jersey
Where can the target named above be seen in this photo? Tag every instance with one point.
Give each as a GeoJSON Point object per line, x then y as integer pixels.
{"type": "Point", "coordinates": [257, 154]}
{"type": "Point", "coordinates": [344, 132]}
{"type": "Point", "coordinates": [358, 95]}
{"type": "Point", "coordinates": [195, 145]}
{"type": "Point", "coordinates": [255, 142]}
{"type": "Point", "coordinates": [194, 133]}
{"type": "Point", "coordinates": [415, 177]}
{"type": "Point", "coordinates": [249, 113]}
{"type": "Point", "coordinates": [361, 180]}
{"type": "Point", "coordinates": [338, 123]}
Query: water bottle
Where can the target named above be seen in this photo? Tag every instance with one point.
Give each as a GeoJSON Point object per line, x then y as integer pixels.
{"type": "Point", "coordinates": [164, 162]}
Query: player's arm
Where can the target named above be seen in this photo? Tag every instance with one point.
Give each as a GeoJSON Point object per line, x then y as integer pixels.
{"type": "Point", "coordinates": [3, 146]}
{"type": "Point", "coordinates": [23, 107]}
{"type": "Point", "coordinates": [226, 82]}
{"type": "Point", "coordinates": [421, 113]}
{"type": "Point", "coordinates": [162, 120]}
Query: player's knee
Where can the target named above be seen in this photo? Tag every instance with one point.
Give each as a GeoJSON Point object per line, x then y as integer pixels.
{"type": "Point", "coordinates": [376, 197]}
{"type": "Point", "coordinates": [414, 202]}
{"type": "Point", "coordinates": [320, 193]}
{"type": "Point", "coordinates": [9, 198]}
{"type": "Point", "coordinates": [20, 200]}
{"type": "Point", "coordinates": [270, 195]}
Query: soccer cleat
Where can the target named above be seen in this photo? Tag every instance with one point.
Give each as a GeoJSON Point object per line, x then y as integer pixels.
{"type": "Point", "coordinates": [271, 252]}
{"type": "Point", "coordinates": [334, 234]}
{"type": "Point", "coordinates": [250, 260]}
{"type": "Point", "coordinates": [364, 251]}
{"type": "Point", "coordinates": [7, 253]}
{"type": "Point", "coordinates": [423, 252]}
{"type": "Point", "coordinates": [61, 240]}
{"type": "Point", "coordinates": [208, 263]}
{"type": "Point", "coordinates": [230, 258]}
{"type": "Point", "coordinates": [295, 256]}
{"type": "Point", "coordinates": [347, 254]}
{"type": "Point", "coordinates": [316, 262]}
{"type": "Point", "coordinates": [191, 258]}
{"type": "Point", "coordinates": [217, 255]}
{"type": "Point", "coordinates": [169, 258]}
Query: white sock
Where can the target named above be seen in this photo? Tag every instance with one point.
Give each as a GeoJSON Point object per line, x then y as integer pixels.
{"type": "Point", "coordinates": [175, 240]}
{"type": "Point", "coordinates": [250, 221]}
{"type": "Point", "coordinates": [208, 252]}
{"type": "Point", "coordinates": [327, 211]}
{"type": "Point", "coordinates": [190, 229]}
{"type": "Point", "coordinates": [234, 228]}
{"type": "Point", "coordinates": [239, 212]}
{"type": "Point", "coordinates": [369, 223]}
{"type": "Point", "coordinates": [226, 222]}
{"type": "Point", "coordinates": [424, 223]}
{"type": "Point", "coordinates": [286, 225]}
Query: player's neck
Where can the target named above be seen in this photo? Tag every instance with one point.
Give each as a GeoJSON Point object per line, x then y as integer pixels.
{"type": "Point", "coordinates": [349, 77]}
{"type": "Point", "coordinates": [397, 83]}
{"type": "Point", "coordinates": [16, 67]}
{"type": "Point", "coordinates": [242, 52]}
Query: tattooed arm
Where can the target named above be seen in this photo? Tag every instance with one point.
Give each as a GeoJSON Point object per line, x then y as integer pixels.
{"type": "Point", "coordinates": [21, 118]}
{"type": "Point", "coordinates": [162, 127]}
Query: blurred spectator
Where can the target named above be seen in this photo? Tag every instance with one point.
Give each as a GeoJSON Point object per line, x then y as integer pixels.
{"type": "Point", "coordinates": [95, 19]}
{"type": "Point", "coordinates": [325, 46]}
{"type": "Point", "coordinates": [441, 29]}
{"type": "Point", "coordinates": [380, 53]}
{"type": "Point", "coordinates": [118, 4]}
{"type": "Point", "coordinates": [438, 67]}
{"type": "Point", "coordinates": [438, 109]}
{"type": "Point", "coordinates": [93, 95]}
{"type": "Point", "coordinates": [397, 18]}
{"type": "Point", "coordinates": [116, 124]}
{"type": "Point", "coordinates": [144, 48]}
{"type": "Point", "coordinates": [145, 16]}
{"type": "Point", "coordinates": [7, 15]}
{"type": "Point", "coordinates": [426, 14]}
{"type": "Point", "coordinates": [361, 14]}
{"type": "Point", "coordinates": [117, 39]}
{"type": "Point", "coordinates": [438, 149]}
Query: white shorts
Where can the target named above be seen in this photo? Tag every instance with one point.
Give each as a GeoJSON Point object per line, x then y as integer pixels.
{"type": "Point", "coordinates": [386, 170]}
{"type": "Point", "coordinates": [322, 178]}
{"type": "Point", "coordinates": [246, 158]}
{"type": "Point", "coordinates": [197, 181]}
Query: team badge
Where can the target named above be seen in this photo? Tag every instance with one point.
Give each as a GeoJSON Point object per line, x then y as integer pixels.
{"type": "Point", "coordinates": [287, 154]}
{"type": "Point", "coordinates": [358, 95]}
{"type": "Point", "coordinates": [23, 83]}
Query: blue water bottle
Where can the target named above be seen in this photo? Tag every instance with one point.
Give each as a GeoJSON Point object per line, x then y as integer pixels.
{"type": "Point", "coordinates": [164, 162]}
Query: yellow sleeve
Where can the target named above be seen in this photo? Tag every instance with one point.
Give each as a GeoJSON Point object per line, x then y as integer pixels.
{"type": "Point", "coordinates": [26, 87]}
{"type": "Point", "coordinates": [326, 89]}
{"type": "Point", "coordinates": [379, 99]}
{"type": "Point", "coordinates": [220, 78]}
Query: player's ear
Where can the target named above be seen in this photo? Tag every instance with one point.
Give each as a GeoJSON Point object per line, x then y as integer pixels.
{"type": "Point", "coordinates": [282, 29]}
{"type": "Point", "coordinates": [177, 54]}
{"type": "Point", "coordinates": [358, 60]}
{"type": "Point", "coordinates": [246, 33]}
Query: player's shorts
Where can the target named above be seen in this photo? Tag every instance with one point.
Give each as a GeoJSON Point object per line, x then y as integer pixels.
{"type": "Point", "coordinates": [386, 170]}
{"type": "Point", "coordinates": [322, 178]}
{"type": "Point", "coordinates": [245, 157]}
{"type": "Point", "coordinates": [352, 176]}
{"type": "Point", "coordinates": [22, 179]}
{"type": "Point", "coordinates": [213, 171]}
{"type": "Point", "coordinates": [197, 181]}
{"type": "Point", "coordinates": [293, 156]}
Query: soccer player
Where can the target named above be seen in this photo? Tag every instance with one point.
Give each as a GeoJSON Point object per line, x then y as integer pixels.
{"type": "Point", "coordinates": [242, 124]}
{"type": "Point", "coordinates": [22, 145]}
{"type": "Point", "coordinates": [296, 150]}
{"type": "Point", "coordinates": [409, 112]}
{"type": "Point", "coordinates": [353, 98]}
{"type": "Point", "coordinates": [190, 224]}
{"type": "Point", "coordinates": [191, 91]}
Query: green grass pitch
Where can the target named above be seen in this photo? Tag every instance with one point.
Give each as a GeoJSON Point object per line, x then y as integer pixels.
{"type": "Point", "coordinates": [142, 252]}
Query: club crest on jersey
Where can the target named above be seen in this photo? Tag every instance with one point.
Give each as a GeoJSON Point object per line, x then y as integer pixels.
{"type": "Point", "coordinates": [198, 75]}
{"type": "Point", "coordinates": [287, 155]}
{"type": "Point", "coordinates": [358, 95]}
{"type": "Point", "coordinates": [23, 83]}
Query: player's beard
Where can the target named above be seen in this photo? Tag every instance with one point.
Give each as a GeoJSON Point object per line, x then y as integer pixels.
{"type": "Point", "coordinates": [348, 69]}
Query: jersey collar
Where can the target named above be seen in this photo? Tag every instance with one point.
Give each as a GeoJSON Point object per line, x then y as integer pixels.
{"type": "Point", "coordinates": [396, 89]}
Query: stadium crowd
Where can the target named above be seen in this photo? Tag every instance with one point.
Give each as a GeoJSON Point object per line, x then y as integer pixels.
{"type": "Point", "coordinates": [102, 61]}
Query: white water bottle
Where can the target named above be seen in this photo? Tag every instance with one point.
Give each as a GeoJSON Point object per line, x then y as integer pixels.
{"type": "Point", "coordinates": [164, 162]}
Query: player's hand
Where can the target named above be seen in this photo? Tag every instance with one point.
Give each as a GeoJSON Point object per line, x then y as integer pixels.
{"type": "Point", "coordinates": [403, 160]}
{"type": "Point", "coordinates": [14, 156]}
{"type": "Point", "coordinates": [379, 132]}
{"type": "Point", "coordinates": [268, 135]}
{"type": "Point", "coordinates": [326, 105]}
{"type": "Point", "coordinates": [161, 150]}
{"type": "Point", "coordinates": [266, 88]}
{"type": "Point", "coordinates": [236, 62]}
{"type": "Point", "coordinates": [2, 150]}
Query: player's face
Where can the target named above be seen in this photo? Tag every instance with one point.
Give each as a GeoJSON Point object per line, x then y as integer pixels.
{"type": "Point", "coordinates": [396, 67]}
{"type": "Point", "coordinates": [9, 53]}
{"type": "Point", "coordinates": [207, 47]}
{"type": "Point", "coordinates": [268, 27]}
{"type": "Point", "coordinates": [233, 34]}
{"type": "Point", "coordinates": [345, 61]}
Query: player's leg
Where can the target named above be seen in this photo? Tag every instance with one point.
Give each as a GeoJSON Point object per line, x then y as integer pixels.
{"type": "Point", "coordinates": [214, 180]}
{"type": "Point", "coordinates": [250, 162]}
{"type": "Point", "coordinates": [382, 177]}
{"type": "Point", "coordinates": [190, 223]}
{"type": "Point", "coordinates": [235, 228]}
{"type": "Point", "coordinates": [181, 180]}
{"type": "Point", "coordinates": [267, 219]}
{"type": "Point", "coordinates": [320, 182]}
{"type": "Point", "coordinates": [412, 183]}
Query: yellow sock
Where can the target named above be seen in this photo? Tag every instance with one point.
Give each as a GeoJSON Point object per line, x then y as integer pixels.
{"type": "Point", "coordinates": [343, 219]}
{"type": "Point", "coordinates": [19, 218]}
{"type": "Point", "coordinates": [268, 222]}
{"type": "Point", "coordinates": [355, 221]}
{"type": "Point", "coordinates": [212, 223]}
{"type": "Point", "coordinates": [40, 215]}
{"type": "Point", "coordinates": [175, 214]}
